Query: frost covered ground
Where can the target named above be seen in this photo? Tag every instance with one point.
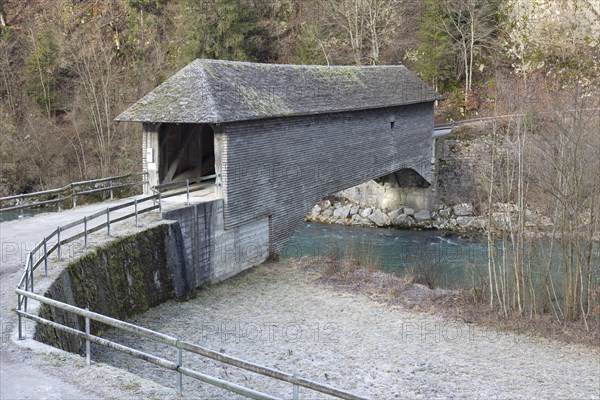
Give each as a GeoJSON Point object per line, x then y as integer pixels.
{"type": "Point", "coordinates": [277, 316]}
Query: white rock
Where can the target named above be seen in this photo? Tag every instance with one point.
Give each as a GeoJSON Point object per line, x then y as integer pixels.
{"type": "Point", "coordinates": [445, 213]}
{"type": "Point", "coordinates": [354, 210]}
{"type": "Point", "coordinates": [470, 222]}
{"type": "Point", "coordinates": [422, 216]}
{"type": "Point", "coordinates": [463, 210]}
{"type": "Point", "coordinates": [403, 221]}
{"type": "Point", "coordinates": [501, 218]}
{"type": "Point", "coordinates": [440, 224]}
{"type": "Point", "coordinates": [359, 221]}
{"type": "Point", "coordinates": [379, 218]}
{"type": "Point", "coordinates": [409, 211]}
{"type": "Point", "coordinates": [394, 214]}
{"type": "Point", "coordinates": [342, 212]}
{"type": "Point", "coordinates": [507, 207]}
{"type": "Point", "coordinates": [315, 211]}
{"type": "Point", "coordinates": [366, 212]}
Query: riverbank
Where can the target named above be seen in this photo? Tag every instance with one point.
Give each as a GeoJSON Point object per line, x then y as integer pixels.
{"type": "Point", "coordinates": [411, 291]}
{"type": "Point", "coordinates": [338, 210]}
{"type": "Point", "coordinates": [298, 317]}
{"type": "Point", "coordinates": [371, 329]}
{"type": "Point", "coordinates": [459, 218]}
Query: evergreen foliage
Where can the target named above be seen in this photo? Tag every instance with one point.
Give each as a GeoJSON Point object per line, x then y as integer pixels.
{"type": "Point", "coordinates": [433, 57]}
{"type": "Point", "coordinates": [219, 29]}
{"type": "Point", "coordinates": [41, 66]}
{"type": "Point", "coordinates": [148, 6]}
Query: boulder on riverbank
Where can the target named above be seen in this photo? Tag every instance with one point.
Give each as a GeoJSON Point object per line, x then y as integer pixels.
{"type": "Point", "coordinates": [460, 217]}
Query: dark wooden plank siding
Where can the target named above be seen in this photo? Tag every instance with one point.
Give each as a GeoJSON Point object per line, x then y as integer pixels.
{"type": "Point", "coordinates": [282, 167]}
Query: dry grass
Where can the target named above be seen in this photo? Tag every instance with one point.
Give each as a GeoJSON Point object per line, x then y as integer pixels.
{"type": "Point", "coordinates": [462, 305]}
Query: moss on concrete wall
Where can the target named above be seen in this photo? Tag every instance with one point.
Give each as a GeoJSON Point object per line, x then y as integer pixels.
{"type": "Point", "coordinates": [124, 278]}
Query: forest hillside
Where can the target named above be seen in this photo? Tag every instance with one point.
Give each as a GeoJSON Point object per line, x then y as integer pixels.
{"type": "Point", "coordinates": [68, 67]}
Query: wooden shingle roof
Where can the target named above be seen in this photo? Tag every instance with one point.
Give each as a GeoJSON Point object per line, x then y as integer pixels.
{"type": "Point", "coordinates": [214, 91]}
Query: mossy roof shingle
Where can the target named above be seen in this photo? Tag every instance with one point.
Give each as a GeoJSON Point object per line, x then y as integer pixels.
{"type": "Point", "coordinates": [213, 91]}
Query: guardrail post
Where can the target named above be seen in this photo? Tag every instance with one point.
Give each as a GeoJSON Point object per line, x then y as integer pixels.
{"type": "Point", "coordinates": [31, 268]}
{"type": "Point", "coordinates": [26, 289]}
{"type": "Point", "coordinates": [20, 201]}
{"type": "Point", "coordinates": [19, 317]}
{"type": "Point", "coordinates": [179, 374]}
{"type": "Point", "coordinates": [88, 352]}
{"type": "Point", "coordinates": [187, 184]}
{"type": "Point", "coordinates": [74, 196]}
{"type": "Point", "coordinates": [108, 221]}
{"type": "Point", "coordinates": [45, 257]}
{"type": "Point", "coordinates": [58, 245]}
{"type": "Point", "coordinates": [295, 390]}
{"type": "Point", "coordinates": [85, 231]}
{"type": "Point", "coordinates": [136, 212]}
{"type": "Point", "coordinates": [59, 202]}
{"type": "Point", "coordinates": [160, 204]}
{"type": "Point", "coordinates": [111, 189]}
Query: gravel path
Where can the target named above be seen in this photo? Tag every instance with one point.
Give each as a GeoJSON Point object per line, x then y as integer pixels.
{"type": "Point", "coordinates": [19, 379]}
{"type": "Point", "coordinates": [23, 379]}
{"type": "Point", "coordinates": [277, 317]}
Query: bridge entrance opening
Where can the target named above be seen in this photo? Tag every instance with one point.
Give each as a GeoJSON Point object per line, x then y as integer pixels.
{"type": "Point", "coordinates": [186, 152]}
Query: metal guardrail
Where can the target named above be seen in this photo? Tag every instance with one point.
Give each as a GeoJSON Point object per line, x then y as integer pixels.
{"type": "Point", "coordinates": [53, 242]}
{"type": "Point", "coordinates": [72, 191]}
{"type": "Point", "coordinates": [181, 346]}
{"type": "Point", "coordinates": [158, 189]}
{"type": "Point", "coordinates": [48, 245]}
{"type": "Point", "coordinates": [491, 118]}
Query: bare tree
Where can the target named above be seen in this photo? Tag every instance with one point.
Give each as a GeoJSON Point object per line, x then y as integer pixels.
{"type": "Point", "coordinates": [2, 21]}
{"type": "Point", "coordinates": [470, 24]}
{"type": "Point", "coordinates": [96, 90]}
{"type": "Point", "coordinates": [368, 25]}
{"type": "Point", "coordinates": [8, 78]}
{"type": "Point", "coordinates": [551, 35]}
{"type": "Point", "coordinates": [383, 19]}
{"type": "Point", "coordinates": [570, 148]}
{"type": "Point", "coordinates": [41, 64]}
{"type": "Point", "coordinates": [546, 158]}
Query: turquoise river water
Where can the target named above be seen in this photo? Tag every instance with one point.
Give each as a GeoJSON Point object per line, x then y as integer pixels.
{"type": "Point", "coordinates": [454, 259]}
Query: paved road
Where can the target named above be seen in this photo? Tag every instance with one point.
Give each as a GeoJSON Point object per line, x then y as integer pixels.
{"type": "Point", "coordinates": [21, 381]}
{"type": "Point", "coordinates": [17, 238]}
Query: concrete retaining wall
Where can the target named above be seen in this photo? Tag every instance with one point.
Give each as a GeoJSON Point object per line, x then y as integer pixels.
{"type": "Point", "coordinates": [388, 196]}
{"type": "Point", "coordinates": [122, 279]}
{"type": "Point", "coordinates": [132, 274]}
{"type": "Point", "coordinates": [213, 253]}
